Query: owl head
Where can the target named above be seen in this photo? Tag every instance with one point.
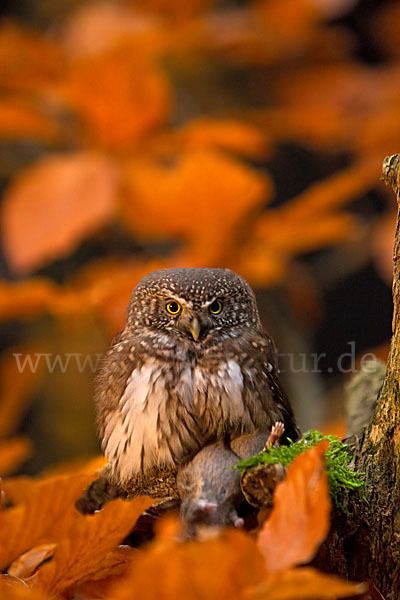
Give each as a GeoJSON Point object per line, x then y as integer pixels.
{"type": "Point", "coordinates": [193, 302]}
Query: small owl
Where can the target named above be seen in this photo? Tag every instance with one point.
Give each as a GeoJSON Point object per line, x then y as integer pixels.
{"type": "Point", "coordinates": [192, 366]}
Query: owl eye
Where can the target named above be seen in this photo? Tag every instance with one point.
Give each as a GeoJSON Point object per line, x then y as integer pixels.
{"type": "Point", "coordinates": [215, 307]}
{"type": "Point", "coordinates": [173, 308]}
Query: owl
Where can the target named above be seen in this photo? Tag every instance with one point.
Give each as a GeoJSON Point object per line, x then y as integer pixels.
{"type": "Point", "coordinates": [192, 366]}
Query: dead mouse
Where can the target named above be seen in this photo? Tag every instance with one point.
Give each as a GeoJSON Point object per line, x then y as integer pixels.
{"type": "Point", "coordinates": [209, 487]}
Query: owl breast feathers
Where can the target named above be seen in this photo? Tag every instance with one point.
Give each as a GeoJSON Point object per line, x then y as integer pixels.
{"type": "Point", "coordinates": [192, 365]}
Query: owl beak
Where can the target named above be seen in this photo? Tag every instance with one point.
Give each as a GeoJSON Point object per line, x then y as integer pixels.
{"type": "Point", "coordinates": [195, 328]}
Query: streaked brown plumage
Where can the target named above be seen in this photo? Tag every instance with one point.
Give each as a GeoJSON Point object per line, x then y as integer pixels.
{"type": "Point", "coordinates": [173, 383]}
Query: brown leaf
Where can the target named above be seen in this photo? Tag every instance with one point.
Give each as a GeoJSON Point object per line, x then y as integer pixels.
{"type": "Point", "coordinates": [299, 520]}
{"type": "Point", "coordinates": [46, 516]}
{"type": "Point", "coordinates": [216, 568]}
{"type": "Point", "coordinates": [88, 542]}
{"type": "Point", "coordinates": [27, 563]}
{"type": "Point", "coordinates": [13, 452]}
{"type": "Point", "coordinates": [303, 584]}
{"type": "Point", "coordinates": [53, 205]}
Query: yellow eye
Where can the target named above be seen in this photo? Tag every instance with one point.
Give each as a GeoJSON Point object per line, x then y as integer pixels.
{"type": "Point", "coordinates": [215, 307]}
{"type": "Point", "coordinates": [173, 308]}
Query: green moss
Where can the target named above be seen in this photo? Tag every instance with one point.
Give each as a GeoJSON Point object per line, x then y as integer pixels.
{"type": "Point", "coordinates": [338, 457]}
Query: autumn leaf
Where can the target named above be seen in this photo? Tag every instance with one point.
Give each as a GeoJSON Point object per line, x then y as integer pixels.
{"type": "Point", "coordinates": [20, 120]}
{"type": "Point", "coordinates": [27, 563]}
{"type": "Point", "coordinates": [303, 584]}
{"type": "Point", "coordinates": [98, 27]}
{"type": "Point", "coordinates": [67, 197]}
{"type": "Point", "coordinates": [332, 193]}
{"type": "Point", "coordinates": [46, 516]}
{"type": "Point", "coordinates": [26, 299]}
{"type": "Point", "coordinates": [118, 96]}
{"type": "Point", "coordinates": [28, 60]}
{"type": "Point", "coordinates": [206, 570]}
{"type": "Point", "coordinates": [13, 452]}
{"type": "Point", "coordinates": [89, 540]}
{"type": "Point", "coordinates": [17, 387]}
{"type": "Point", "coordinates": [166, 209]}
{"type": "Point", "coordinates": [227, 134]}
{"type": "Point", "coordinates": [299, 520]}
{"type": "Point", "coordinates": [19, 489]}
{"type": "Point", "coordinates": [14, 588]}
{"type": "Point", "coordinates": [106, 286]}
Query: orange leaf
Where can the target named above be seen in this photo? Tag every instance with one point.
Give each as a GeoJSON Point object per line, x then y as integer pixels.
{"type": "Point", "coordinates": [13, 452]}
{"type": "Point", "coordinates": [114, 564]}
{"type": "Point", "coordinates": [299, 521]}
{"type": "Point", "coordinates": [28, 61]}
{"type": "Point", "coordinates": [303, 584]}
{"type": "Point", "coordinates": [228, 134]}
{"type": "Point", "coordinates": [55, 204]}
{"type": "Point", "coordinates": [26, 564]}
{"type": "Point", "coordinates": [46, 516]}
{"type": "Point", "coordinates": [96, 28]}
{"type": "Point", "coordinates": [14, 588]}
{"type": "Point", "coordinates": [208, 570]}
{"type": "Point", "coordinates": [90, 539]}
{"type": "Point", "coordinates": [23, 121]}
{"type": "Point", "coordinates": [118, 96]}
{"type": "Point", "coordinates": [19, 489]}
{"type": "Point", "coordinates": [328, 194]}
{"type": "Point", "coordinates": [17, 387]}
{"type": "Point", "coordinates": [159, 202]}
{"type": "Point", "coordinates": [26, 299]}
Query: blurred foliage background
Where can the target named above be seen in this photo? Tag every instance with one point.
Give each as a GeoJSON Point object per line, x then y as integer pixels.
{"type": "Point", "coordinates": [146, 134]}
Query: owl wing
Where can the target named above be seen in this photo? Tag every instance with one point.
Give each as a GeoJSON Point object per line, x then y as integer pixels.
{"type": "Point", "coordinates": [275, 391]}
{"type": "Point", "coordinates": [111, 381]}
{"type": "Point", "coordinates": [292, 432]}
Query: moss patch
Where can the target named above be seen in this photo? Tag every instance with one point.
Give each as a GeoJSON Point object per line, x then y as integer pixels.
{"type": "Point", "coordinates": [338, 457]}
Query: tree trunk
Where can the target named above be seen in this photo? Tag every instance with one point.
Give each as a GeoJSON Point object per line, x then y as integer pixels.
{"type": "Point", "coordinates": [366, 543]}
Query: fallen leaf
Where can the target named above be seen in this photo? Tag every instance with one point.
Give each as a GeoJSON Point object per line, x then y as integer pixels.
{"type": "Point", "coordinates": [13, 588]}
{"type": "Point", "coordinates": [202, 570]}
{"type": "Point", "coordinates": [19, 489]}
{"type": "Point", "coordinates": [67, 197]}
{"type": "Point", "coordinates": [299, 520]}
{"type": "Point", "coordinates": [46, 516]}
{"type": "Point", "coordinates": [26, 564]}
{"type": "Point", "coordinates": [303, 584]}
{"type": "Point", "coordinates": [89, 540]}
{"type": "Point", "coordinates": [113, 564]}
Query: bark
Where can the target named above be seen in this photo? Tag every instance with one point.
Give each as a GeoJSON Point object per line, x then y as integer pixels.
{"type": "Point", "coordinates": [366, 543]}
